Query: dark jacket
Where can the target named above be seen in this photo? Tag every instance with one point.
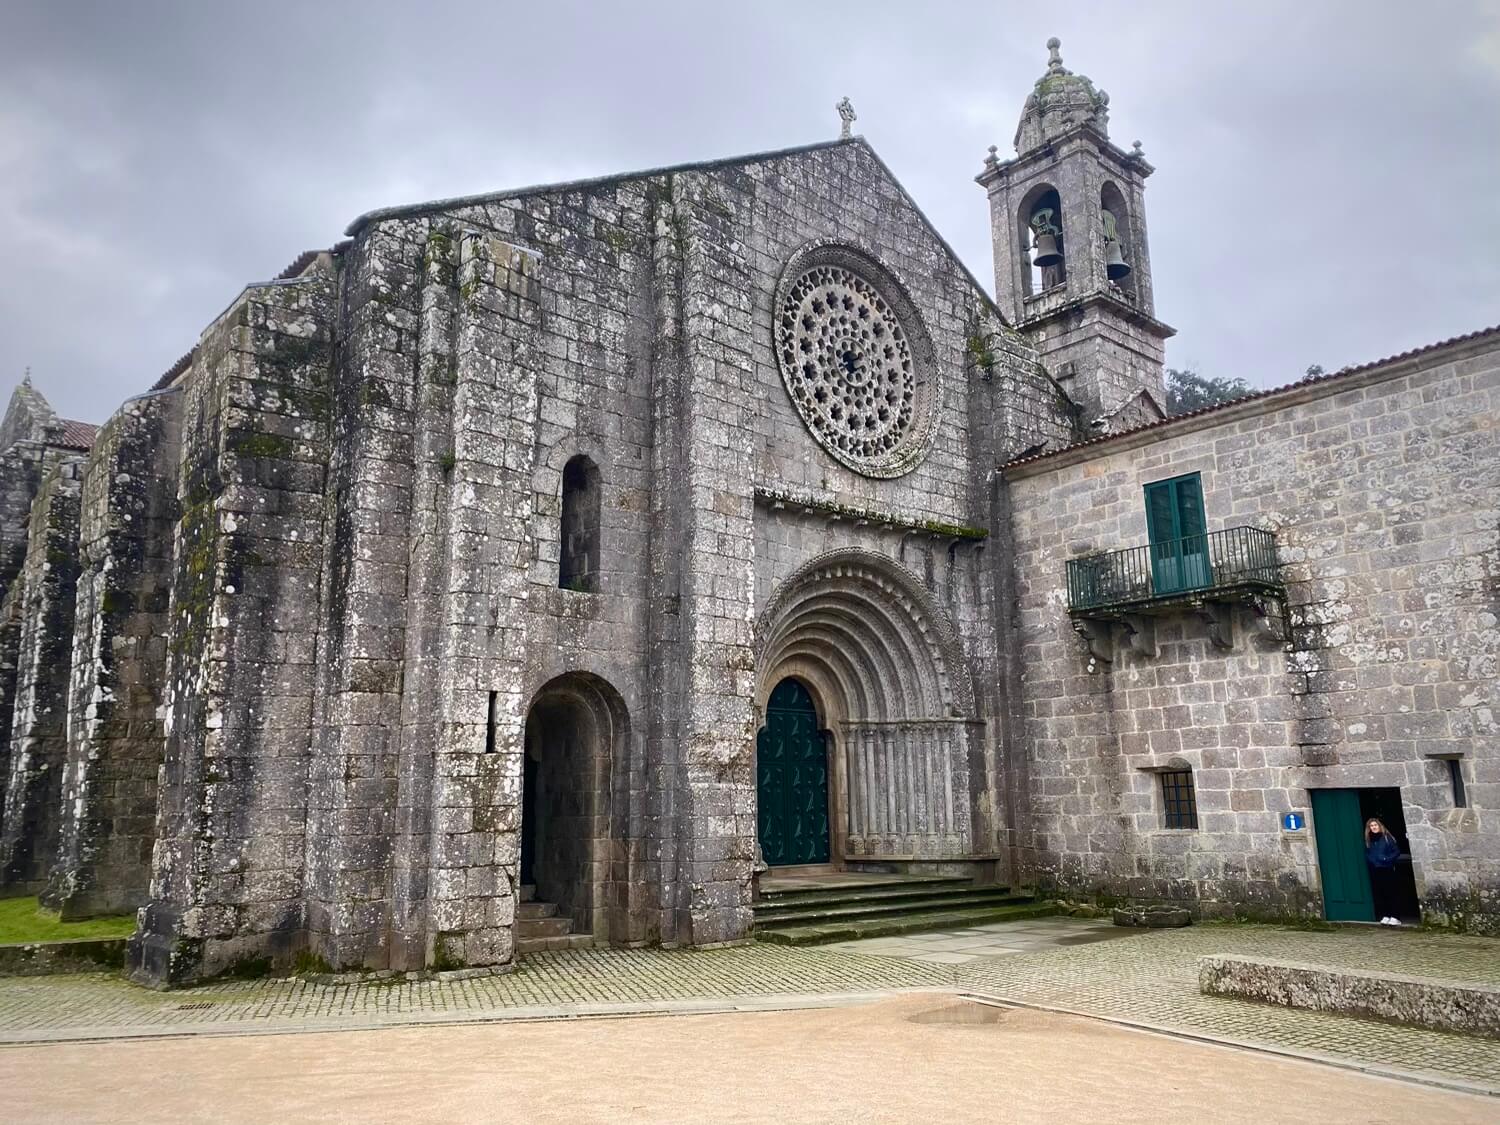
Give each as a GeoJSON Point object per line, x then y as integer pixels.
{"type": "Point", "coordinates": [1382, 851]}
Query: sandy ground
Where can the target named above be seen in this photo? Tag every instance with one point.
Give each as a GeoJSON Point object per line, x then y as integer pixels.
{"type": "Point", "coordinates": [903, 1059]}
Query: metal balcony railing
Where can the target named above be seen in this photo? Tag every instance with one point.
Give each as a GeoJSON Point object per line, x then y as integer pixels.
{"type": "Point", "coordinates": [1235, 558]}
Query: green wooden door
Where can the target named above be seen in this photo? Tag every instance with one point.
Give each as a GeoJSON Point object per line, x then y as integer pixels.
{"type": "Point", "coordinates": [791, 767]}
{"type": "Point", "coordinates": [1341, 856]}
{"type": "Point", "coordinates": [1179, 535]}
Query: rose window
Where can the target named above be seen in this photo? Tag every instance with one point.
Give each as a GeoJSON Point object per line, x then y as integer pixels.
{"type": "Point", "coordinates": [848, 364]}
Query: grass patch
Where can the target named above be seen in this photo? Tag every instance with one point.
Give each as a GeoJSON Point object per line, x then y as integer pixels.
{"type": "Point", "coordinates": [23, 920]}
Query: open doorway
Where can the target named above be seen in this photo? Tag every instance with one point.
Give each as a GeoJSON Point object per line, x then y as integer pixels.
{"type": "Point", "coordinates": [1339, 818]}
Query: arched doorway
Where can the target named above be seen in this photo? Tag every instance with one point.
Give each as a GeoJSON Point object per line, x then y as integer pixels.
{"type": "Point", "coordinates": [576, 730]}
{"type": "Point", "coordinates": [791, 779]}
{"type": "Point", "coordinates": [879, 665]}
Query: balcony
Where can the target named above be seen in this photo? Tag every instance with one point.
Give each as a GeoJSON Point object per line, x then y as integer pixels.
{"type": "Point", "coordinates": [1205, 574]}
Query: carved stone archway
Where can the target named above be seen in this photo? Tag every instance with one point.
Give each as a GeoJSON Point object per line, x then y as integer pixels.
{"type": "Point", "coordinates": [885, 669]}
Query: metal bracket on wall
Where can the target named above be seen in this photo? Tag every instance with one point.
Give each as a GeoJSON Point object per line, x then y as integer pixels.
{"type": "Point", "coordinates": [1096, 634]}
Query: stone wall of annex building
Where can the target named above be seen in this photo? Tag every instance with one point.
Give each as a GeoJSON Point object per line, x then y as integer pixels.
{"type": "Point", "coordinates": [1381, 487]}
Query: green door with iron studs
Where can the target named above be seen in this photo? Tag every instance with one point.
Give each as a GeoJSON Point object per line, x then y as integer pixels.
{"type": "Point", "coordinates": [791, 775]}
{"type": "Point", "coordinates": [1340, 833]}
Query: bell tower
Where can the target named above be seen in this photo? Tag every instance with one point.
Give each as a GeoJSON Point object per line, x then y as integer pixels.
{"type": "Point", "coordinates": [1072, 269]}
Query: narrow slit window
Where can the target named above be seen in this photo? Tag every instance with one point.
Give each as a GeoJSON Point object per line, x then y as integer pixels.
{"type": "Point", "coordinates": [1179, 802]}
{"type": "Point", "coordinates": [578, 553]}
{"type": "Point", "coordinates": [489, 729]}
{"type": "Point", "coordinates": [1456, 780]}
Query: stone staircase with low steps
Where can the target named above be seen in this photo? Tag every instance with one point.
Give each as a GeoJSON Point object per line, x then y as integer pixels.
{"type": "Point", "coordinates": [539, 927]}
{"type": "Point", "coordinates": [797, 911]}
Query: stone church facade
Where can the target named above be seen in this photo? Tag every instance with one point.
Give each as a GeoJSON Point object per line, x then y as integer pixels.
{"type": "Point", "coordinates": [610, 541]}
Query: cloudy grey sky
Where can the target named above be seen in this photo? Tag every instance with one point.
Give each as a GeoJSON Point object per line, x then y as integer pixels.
{"type": "Point", "coordinates": [1327, 186]}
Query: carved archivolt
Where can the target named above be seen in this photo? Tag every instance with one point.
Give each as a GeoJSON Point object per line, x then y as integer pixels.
{"type": "Point", "coordinates": [866, 634]}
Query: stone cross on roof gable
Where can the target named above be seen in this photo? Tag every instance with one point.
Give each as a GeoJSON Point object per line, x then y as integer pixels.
{"type": "Point", "coordinates": [846, 118]}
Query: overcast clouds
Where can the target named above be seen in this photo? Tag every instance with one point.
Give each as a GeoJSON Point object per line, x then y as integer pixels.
{"type": "Point", "coordinates": [1327, 186]}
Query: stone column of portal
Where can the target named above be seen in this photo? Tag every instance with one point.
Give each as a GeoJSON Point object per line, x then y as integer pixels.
{"type": "Point", "coordinates": [38, 735]}
{"type": "Point", "coordinates": [227, 868]}
{"type": "Point", "coordinates": [474, 855]}
{"type": "Point", "coordinates": [115, 734]}
{"type": "Point", "coordinates": [715, 794]}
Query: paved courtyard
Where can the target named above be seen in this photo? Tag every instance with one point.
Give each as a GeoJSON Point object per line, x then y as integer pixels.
{"type": "Point", "coordinates": [998, 939]}
{"type": "Point", "coordinates": [1141, 979]}
{"type": "Point", "coordinates": [1151, 980]}
{"type": "Point", "coordinates": [894, 1059]}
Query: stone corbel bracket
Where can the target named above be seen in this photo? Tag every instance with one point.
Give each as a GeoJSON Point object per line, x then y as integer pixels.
{"type": "Point", "coordinates": [1140, 634]}
{"type": "Point", "coordinates": [1096, 635]}
{"type": "Point", "coordinates": [1268, 617]}
{"type": "Point", "coordinates": [1219, 617]}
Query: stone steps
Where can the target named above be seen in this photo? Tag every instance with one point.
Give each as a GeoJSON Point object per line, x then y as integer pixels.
{"type": "Point", "coordinates": [545, 945]}
{"type": "Point", "coordinates": [540, 928]}
{"type": "Point", "coordinates": [854, 889]}
{"type": "Point", "coordinates": [843, 909]}
{"type": "Point", "coordinates": [815, 932]}
{"type": "Point", "coordinates": [850, 906]}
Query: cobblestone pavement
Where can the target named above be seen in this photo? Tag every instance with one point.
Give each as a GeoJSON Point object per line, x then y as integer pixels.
{"type": "Point", "coordinates": [587, 981]}
{"type": "Point", "coordinates": [994, 939]}
{"type": "Point", "coordinates": [1151, 980]}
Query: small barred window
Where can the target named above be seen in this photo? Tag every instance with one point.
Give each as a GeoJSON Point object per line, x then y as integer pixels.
{"type": "Point", "coordinates": [1178, 799]}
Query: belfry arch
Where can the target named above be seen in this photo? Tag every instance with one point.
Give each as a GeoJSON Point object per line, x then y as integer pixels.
{"type": "Point", "coordinates": [887, 678]}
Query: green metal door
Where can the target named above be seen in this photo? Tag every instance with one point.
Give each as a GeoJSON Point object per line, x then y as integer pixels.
{"type": "Point", "coordinates": [1341, 856]}
{"type": "Point", "coordinates": [791, 767]}
{"type": "Point", "coordinates": [1179, 535]}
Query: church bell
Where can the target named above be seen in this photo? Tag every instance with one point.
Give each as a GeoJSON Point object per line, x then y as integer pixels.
{"type": "Point", "coordinates": [1115, 265]}
{"type": "Point", "coordinates": [1047, 253]}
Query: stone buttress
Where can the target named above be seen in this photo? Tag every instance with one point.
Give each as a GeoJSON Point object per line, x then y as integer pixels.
{"type": "Point", "coordinates": [115, 733]}
{"type": "Point", "coordinates": [244, 609]}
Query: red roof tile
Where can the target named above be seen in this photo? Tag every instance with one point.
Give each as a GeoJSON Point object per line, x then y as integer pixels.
{"type": "Point", "coordinates": [77, 435]}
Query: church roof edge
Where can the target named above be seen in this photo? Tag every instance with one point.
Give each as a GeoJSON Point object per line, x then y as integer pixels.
{"type": "Point", "coordinates": [691, 166]}
{"type": "Point", "coordinates": [407, 209]}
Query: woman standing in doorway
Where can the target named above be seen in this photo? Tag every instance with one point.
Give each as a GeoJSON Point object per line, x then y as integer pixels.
{"type": "Point", "coordinates": [1381, 853]}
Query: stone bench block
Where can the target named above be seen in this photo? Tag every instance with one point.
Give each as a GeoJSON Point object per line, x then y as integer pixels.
{"type": "Point", "coordinates": [1444, 1005]}
{"type": "Point", "coordinates": [1152, 917]}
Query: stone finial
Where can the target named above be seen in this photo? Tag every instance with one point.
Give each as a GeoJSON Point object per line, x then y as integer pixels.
{"type": "Point", "coordinates": [26, 379]}
{"type": "Point", "coordinates": [1054, 56]}
{"type": "Point", "coordinates": [1136, 152]}
{"type": "Point", "coordinates": [994, 156]}
{"type": "Point", "coordinates": [846, 118]}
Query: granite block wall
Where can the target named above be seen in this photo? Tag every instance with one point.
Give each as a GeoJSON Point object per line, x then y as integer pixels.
{"type": "Point", "coordinates": [1381, 489]}
{"type": "Point", "coordinates": [115, 734]}
{"type": "Point", "coordinates": [244, 615]}
{"type": "Point", "coordinates": [38, 732]}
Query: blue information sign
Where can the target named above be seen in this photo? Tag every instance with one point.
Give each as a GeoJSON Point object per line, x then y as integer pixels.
{"type": "Point", "coordinates": [1293, 821]}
